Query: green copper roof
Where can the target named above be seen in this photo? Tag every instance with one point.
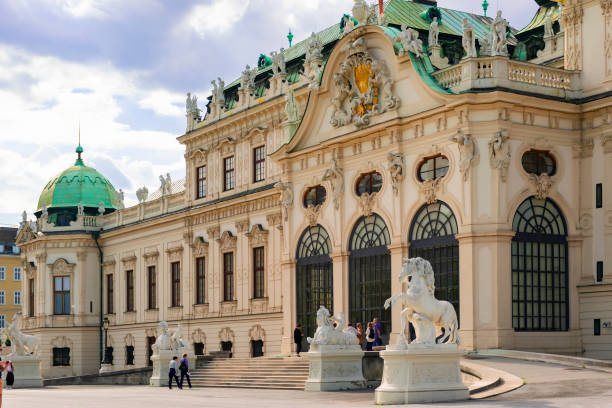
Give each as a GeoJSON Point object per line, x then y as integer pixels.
{"type": "Point", "coordinates": [78, 183]}
{"type": "Point", "coordinates": [551, 9]}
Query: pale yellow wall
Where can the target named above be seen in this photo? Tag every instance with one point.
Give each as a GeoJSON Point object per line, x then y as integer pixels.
{"type": "Point", "coordinates": [9, 285]}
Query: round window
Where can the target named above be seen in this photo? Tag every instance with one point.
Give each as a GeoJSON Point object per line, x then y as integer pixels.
{"type": "Point", "coordinates": [314, 196]}
{"type": "Point", "coordinates": [369, 183]}
{"type": "Point", "coordinates": [539, 162]}
{"type": "Point", "coordinates": [433, 167]}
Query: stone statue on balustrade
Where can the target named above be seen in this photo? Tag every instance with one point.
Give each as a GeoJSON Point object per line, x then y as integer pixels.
{"type": "Point", "coordinates": [434, 31]}
{"type": "Point", "coordinates": [499, 40]}
{"type": "Point", "coordinates": [469, 39]}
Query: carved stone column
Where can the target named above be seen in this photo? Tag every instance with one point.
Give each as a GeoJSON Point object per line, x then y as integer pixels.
{"type": "Point", "coordinates": [214, 266]}
{"type": "Point", "coordinates": [242, 265]}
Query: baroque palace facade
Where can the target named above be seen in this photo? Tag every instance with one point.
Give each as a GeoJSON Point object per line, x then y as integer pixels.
{"type": "Point", "coordinates": [418, 132]}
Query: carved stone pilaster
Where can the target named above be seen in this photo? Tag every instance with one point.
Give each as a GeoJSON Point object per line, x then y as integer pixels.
{"type": "Point", "coordinates": [606, 8]}
{"type": "Point", "coordinates": [572, 24]}
{"type": "Point", "coordinates": [583, 149]}
{"type": "Point", "coordinates": [213, 233]}
{"type": "Point", "coordinates": [242, 226]}
{"type": "Point", "coordinates": [274, 219]}
{"type": "Point", "coordinates": [606, 143]}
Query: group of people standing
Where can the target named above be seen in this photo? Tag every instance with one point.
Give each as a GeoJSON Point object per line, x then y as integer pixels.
{"type": "Point", "coordinates": [372, 336]}
{"type": "Point", "coordinates": [183, 367]}
{"type": "Point", "coordinates": [10, 376]}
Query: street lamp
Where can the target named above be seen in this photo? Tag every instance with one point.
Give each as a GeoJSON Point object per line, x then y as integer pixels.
{"type": "Point", "coordinates": [105, 324]}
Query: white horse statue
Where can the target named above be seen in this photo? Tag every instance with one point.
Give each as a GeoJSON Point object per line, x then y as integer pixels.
{"type": "Point", "coordinates": [327, 334]}
{"type": "Point", "coordinates": [428, 314]}
{"type": "Point", "coordinates": [21, 344]}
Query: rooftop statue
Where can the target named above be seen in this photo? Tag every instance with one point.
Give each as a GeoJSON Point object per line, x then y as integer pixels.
{"type": "Point", "coordinates": [142, 194]}
{"type": "Point", "coordinates": [191, 104]}
{"type": "Point", "coordinates": [217, 93]}
{"type": "Point", "coordinates": [427, 314]}
{"type": "Point", "coordinates": [291, 107]}
{"type": "Point", "coordinates": [21, 344]}
{"type": "Point", "coordinates": [101, 209]}
{"type": "Point", "coordinates": [499, 41]}
{"type": "Point", "coordinates": [361, 11]}
{"type": "Point", "coordinates": [314, 48]}
{"type": "Point", "coordinates": [80, 209]}
{"type": "Point", "coordinates": [409, 39]}
{"type": "Point", "coordinates": [327, 334]}
{"type": "Point", "coordinates": [548, 27]}
{"type": "Point", "coordinates": [434, 31]}
{"type": "Point", "coordinates": [247, 79]}
{"type": "Point", "coordinates": [120, 198]}
{"type": "Point", "coordinates": [278, 62]}
{"type": "Point", "coordinates": [469, 39]}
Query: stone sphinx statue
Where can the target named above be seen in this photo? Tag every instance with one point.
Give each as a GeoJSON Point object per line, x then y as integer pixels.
{"type": "Point", "coordinates": [427, 314]}
{"type": "Point", "coordinates": [21, 344]}
{"type": "Point", "coordinates": [327, 334]}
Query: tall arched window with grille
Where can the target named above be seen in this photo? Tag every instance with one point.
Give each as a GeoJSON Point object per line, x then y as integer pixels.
{"type": "Point", "coordinates": [539, 267]}
{"type": "Point", "coordinates": [432, 237]}
{"type": "Point", "coordinates": [314, 277]}
{"type": "Point", "coordinates": [370, 272]}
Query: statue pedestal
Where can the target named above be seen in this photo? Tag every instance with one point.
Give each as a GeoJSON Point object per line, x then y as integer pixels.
{"type": "Point", "coordinates": [335, 367]}
{"type": "Point", "coordinates": [27, 371]}
{"type": "Point", "coordinates": [419, 374]}
{"type": "Point", "coordinates": [161, 360]}
{"type": "Point", "coordinates": [106, 368]}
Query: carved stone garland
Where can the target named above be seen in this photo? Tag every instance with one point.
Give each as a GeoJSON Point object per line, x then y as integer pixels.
{"type": "Point", "coordinates": [429, 189]}
{"type": "Point", "coordinates": [363, 87]}
{"type": "Point", "coordinates": [542, 185]}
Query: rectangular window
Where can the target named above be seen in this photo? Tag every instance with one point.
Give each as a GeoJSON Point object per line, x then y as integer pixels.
{"type": "Point", "coordinates": [598, 195]}
{"type": "Point", "coordinates": [176, 283]}
{"type": "Point", "coordinates": [201, 182]}
{"type": "Point", "coordinates": [61, 356]}
{"type": "Point", "coordinates": [596, 327]}
{"type": "Point", "coordinates": [129, 292]}
{"type": "Point", "coordinates": [258, 272]}
{"type": "Point", "coordinates": [2, 273]}
{"type": "Point", "coordinates": [110, 295]}
{"type": "Point", "coordinates": [259, 163]}
{"type": "Point", "coordinates": [228, 173]}
{"type": "Point", "coordinates": [2, 321]}
{"type": "Point", "coordinates": [17, 297]}
{"type": "Point", "coordinates": [200, 281]}
{"type": "Point", "coordinates": [61, 295]}
{"type": "Point", "coordinates": [228, 276]}
{"type": "Point", "coordinates": [31, 298]}
{"type": "Point", "coordinates": [599, 271]}
{"type": "Point", "coordinates": [2, 297]}
{"type": "Point", "coordinates": [17, 274]}
{"type": "Point", "coordinates": [152, 292]}
{"type": "Point", "coordinates": [129, 355]}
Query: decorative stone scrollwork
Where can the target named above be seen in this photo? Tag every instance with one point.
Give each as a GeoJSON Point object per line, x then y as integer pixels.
{"type": "Point", "coordinates": [542, 184]}
{"type": "Point", "coordinates": [150, 256]}
{"type": "Point", "coordinates": [335, 176]}
{"type": "Point", "coordinates": [129, 340]}
{"type": "Point", "coordinates": [467, 152]}
{"type": "Point", "coordinates": [366, 203]}
{"type": "Point", "coordinates": [257, 236]}
{"type": "Point", "coordinates": [410, 42]}
{"type": "Point", "coordinates": [175, 253]}
{"type": "Point", "coordinates": [499, 152]}
{"type": "Point", "coordinates": [363, 87]}
{"type": "Point", "coordinates": [257, 333]}
{"type": "Point", "coordinates": [397, 169]}
{"type": "Point", "coordinates": [606, 143]}
{"type": "Point", "coordinates": [62, 267]}
{"type": "Point", "coordinates": [312, 214]}
{"type": "Point", "coordinates": [198, 336]}
{"type": "Point", "coordinates": [227, 241]}
{"type": "Point", "coordinates": [226, 334]}
{"type": "Point", "coordinates": [200, 247]}
{"type": "Point", "coordinates": [198, 156]}
{"type": "Point", "coordinates": [286, 197]}
{"type": "Point", "coordinates": [429, 190]}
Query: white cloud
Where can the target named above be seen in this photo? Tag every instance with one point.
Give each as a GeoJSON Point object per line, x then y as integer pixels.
{"type": "Point", "coordinates": [217, 17]}
{"type": "Point", "coordinates": [164, 103]}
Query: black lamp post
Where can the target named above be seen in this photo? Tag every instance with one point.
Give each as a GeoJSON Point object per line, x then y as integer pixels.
{"type": "Point", "coordinates": [105, 324]}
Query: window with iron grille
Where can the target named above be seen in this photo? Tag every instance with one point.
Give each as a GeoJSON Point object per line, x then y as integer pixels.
{"type": "Point", "coordinates": [176, 283]}
{"type": "Point", "coordinates": [129, 355]}
{"type": "Point", "coordinates": [201, 281]}
{"type": "Point", "coordinates": [201, 182]}
{"type": "Point", "coordinates": [258, 272]}
{"type": "Point", "coordinates": [110, 294]}
{"type": "Point", "coordinates": [152, 289]}
{"type": "Point", "coordinates": [31, 298]}
{"type": "Point", "coordinates": [61, 295]}
{"type": "Point", "coordinates": [61, 356]}
{"type": "Point", "coordinates": [129, 284]}
{"type": "Point", "coordinates": [432, 168]}
{"type": "Point", "coordinates": [259, 163]}
{"type": "Point", "coordinates": [228, 173]}
{"type": "Point", "coordinates": [228, 276]}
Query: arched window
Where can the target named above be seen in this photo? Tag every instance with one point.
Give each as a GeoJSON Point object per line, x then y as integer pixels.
{"type": "Point", "coordinates": [369, 183]}
{"type": "Point", "coordinates": [432, 237]}
{"type": "Point", "coordinates": [370, 272]}
{"type": "Point", "coordinates": [314, 278]}
{"type": "Point", "coordinates": [539, 267]}
{"type": "Point", "coordinates": [315, 196]}
{"type": "Point", "coordinates": [433, 167]}
{"type": "Point", "coordinates": [538, 162]}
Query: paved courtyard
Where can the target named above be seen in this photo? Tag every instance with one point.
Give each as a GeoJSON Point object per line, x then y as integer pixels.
{"type": "Point", "coordinates": [547, 386]}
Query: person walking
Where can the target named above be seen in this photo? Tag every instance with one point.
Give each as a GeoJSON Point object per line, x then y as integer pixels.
{"type": "Point", "coordinates": [377, 333]}
{"type": "Point", "coordinates": [172, 373]}
{"type": "Point", "coordinates": [369, 337]}
{"type": "Point", "coordinates": [297, 338]}
{"type": "Point", "coordinates": [360, 334]}
{"type": "Point", "coordinates": [184, 369]}
{"type": "Point", "coordinates": [10, 377]}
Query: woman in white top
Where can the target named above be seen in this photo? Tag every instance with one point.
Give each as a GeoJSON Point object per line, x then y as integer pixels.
{"type": "Point", "coordinates": [369, 336]}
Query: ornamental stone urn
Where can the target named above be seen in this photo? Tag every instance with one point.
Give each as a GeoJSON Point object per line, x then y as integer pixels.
{"type": "Point", "coordinates": [360, 11]}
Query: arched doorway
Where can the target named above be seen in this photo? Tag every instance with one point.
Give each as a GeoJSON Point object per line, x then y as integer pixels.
{"type": "Point", "coordinates": [314, 278]}
{"type": "Point", "coordinates": [432, 237]}
{"type": "Point", "coordinates": [370, 273]}
{"type": "Point", "coordinates": [539, 267]}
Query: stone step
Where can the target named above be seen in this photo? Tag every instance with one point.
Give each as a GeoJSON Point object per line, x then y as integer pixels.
{"type": "Point", "coordinates": [236, 384]}
{"type": "Point", "coordinates": [280, 378]}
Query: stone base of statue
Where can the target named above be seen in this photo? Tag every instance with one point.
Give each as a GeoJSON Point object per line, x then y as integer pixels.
{"type": "Point", "coordinates": [27, 371]}
{"type": "Point", "coordinates": [161, 360]}
{"type": "Point", "coordinates": [421, 374]}
{"type": "Point", "coordinates": [335, 367]}
{"type": "Point", "coordinates": [105, 368]}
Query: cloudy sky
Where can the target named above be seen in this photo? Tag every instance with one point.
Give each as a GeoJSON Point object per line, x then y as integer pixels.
{"type": "Point", "coordinates": [122, 68]}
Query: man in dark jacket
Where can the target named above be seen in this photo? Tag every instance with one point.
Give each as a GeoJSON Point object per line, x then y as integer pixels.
{"type": "Point", "coordinates": [184, 369]}
{"type": "Point", "coordinates": [297, 338]}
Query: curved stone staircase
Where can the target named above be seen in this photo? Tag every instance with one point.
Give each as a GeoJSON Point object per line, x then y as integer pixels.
{"type": "Point", "coordinates": [289, 373]}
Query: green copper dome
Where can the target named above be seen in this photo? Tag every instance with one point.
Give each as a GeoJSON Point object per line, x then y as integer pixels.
{"type": "Point", "coordinates": [76, 184]}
